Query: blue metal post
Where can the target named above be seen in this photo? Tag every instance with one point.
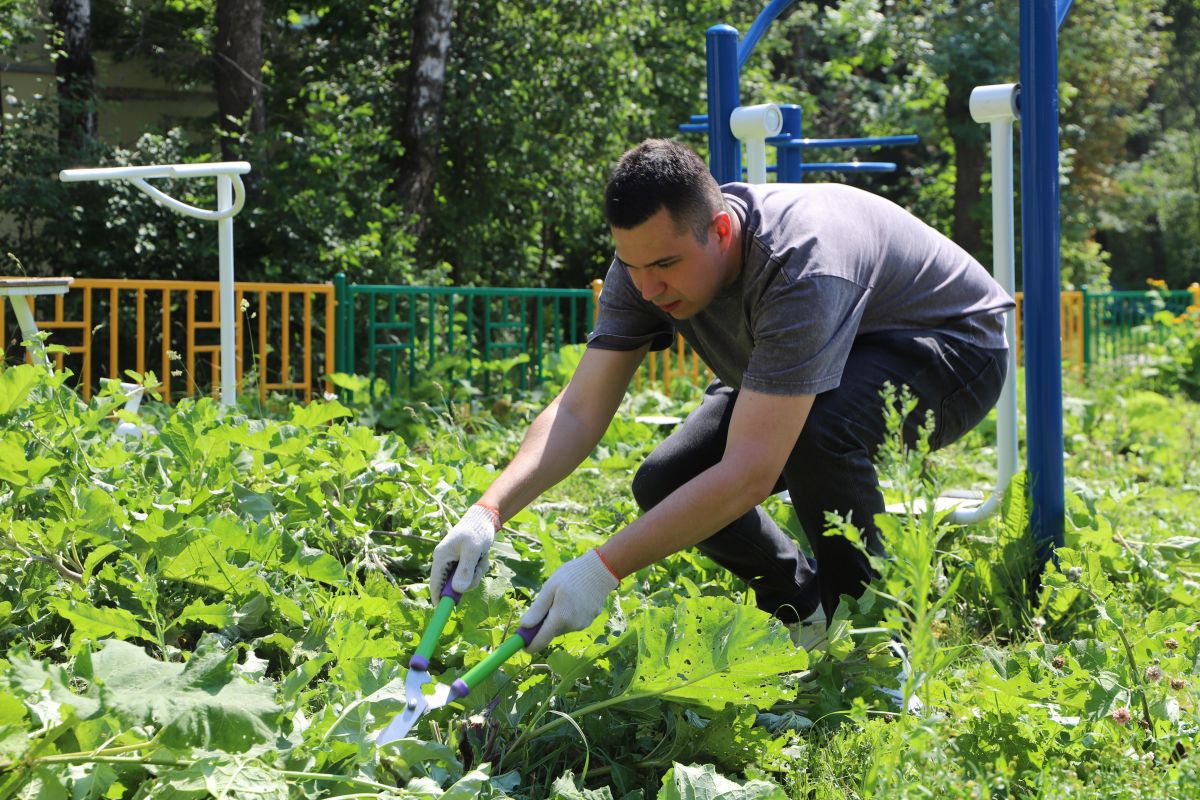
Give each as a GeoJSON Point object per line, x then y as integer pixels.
{"type": "Point", "coordinates": [724, 95]}
{"type": "Point", "coordinates": [789, 159]}
{"type": "Point", "coordinates": [1040, 269]}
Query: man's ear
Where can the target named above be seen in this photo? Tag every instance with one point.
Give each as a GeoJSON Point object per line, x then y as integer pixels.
{"type": "Point", "coordinates": [723, 225]}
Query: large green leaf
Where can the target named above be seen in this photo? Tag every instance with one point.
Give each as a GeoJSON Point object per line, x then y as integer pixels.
{"type": "Point", "coordinates": [318, 413]}
{"type": "Point", "coordinates": [218, 615]}
{"type": "Point", "coordinates": [712, 651]}
{"type": "Point", "coordinates": [45, 688]}
{"type": "Point", "coordinates": [204, 561]}
{"type": "Point", "coordinates": [13, 738]}
{"type": "Point", "coordinates": [15, 385]}
{"type": "Point", "coordinates": [16, 468]}
{"type": "Point", "coordinates": [697, 782]}
{"type": "Point", "coordinates": [202, 703]}
{"type": "Point", "coordinates": [93, 622]}
{"type": "Point", "coordinates": [309, 562]}
{"type": "Point", "coordinates": [564, 788]}
{"type": "Point", "coordinates": [233, 779]}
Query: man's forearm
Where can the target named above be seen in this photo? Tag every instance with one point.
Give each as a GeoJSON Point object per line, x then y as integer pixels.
{"type": "Point", "coordinates": [556, 443]}
{"type": "Point", "coordinates": [690, 514]}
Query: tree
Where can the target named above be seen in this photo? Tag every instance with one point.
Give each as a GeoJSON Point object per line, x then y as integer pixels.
{"type": "Point", "coordinates": [238, 61]}
{"type": "Point", "coordinates": [75, 72]}
{"type": "Point", "coordinates": [974, 45]}
{"type": "Point", "coordinates": [418, 125]}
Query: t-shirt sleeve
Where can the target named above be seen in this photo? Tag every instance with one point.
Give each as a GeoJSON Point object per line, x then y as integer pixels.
{"type": "Point", "coordinates": [802, 332]}
{"type": "Point", "coordinates": [624, 322]}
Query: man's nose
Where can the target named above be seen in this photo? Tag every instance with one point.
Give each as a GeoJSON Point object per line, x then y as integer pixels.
{"type": "Point", "coordinates": [649, 285]}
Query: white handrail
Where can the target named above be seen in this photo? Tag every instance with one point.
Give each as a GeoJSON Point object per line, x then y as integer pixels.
{"type": "Point", "coordinates": [203, 170]}
{"type": "Point", "coordinates": [231, 197]}
{"type": "Point", "coordinates": [997, 105]}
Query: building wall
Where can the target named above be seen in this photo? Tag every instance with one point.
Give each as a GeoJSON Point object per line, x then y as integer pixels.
{"type": "Point", "coordinates": [132, 100]}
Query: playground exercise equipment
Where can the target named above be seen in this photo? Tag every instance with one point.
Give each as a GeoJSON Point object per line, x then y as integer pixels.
{"type": "Point", "coordinates": [997, 106]}
{"type": "Point", "coordinates": [1041, 267]}
{"type": "Point", "coordinates": [129, 430]}
{"type": "Point", "coordinates": [18, 291]}
{"type": "Point", "coordinates": [729, 126]}
{"type": "Point", "coordinates": [231, 196]}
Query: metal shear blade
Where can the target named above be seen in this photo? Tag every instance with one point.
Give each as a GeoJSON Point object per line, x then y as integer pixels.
{"type": "Point", "coordinates": [415, 704]}
{"type": "Point", "coordinates": [404, 722]}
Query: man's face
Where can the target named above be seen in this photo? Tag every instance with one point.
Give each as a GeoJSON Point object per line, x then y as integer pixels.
{"type": "Point", "coordinates": [673, 270]}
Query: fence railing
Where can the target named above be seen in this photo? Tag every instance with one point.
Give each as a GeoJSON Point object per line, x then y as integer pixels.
{"type": "Point", "coordinates": [294, 334]}
{"type": "Point", "coordinates": [661, 368]}
{"type": "Point", "coordinates": [172, 328]}
{"type": "Point", "coordinates": [412, 331]}
{"type": "Point", "coordinates": [1119, 325]}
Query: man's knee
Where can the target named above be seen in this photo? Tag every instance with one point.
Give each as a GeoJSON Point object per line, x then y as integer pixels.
{"type": "Point", "coordinates": [652, 483]}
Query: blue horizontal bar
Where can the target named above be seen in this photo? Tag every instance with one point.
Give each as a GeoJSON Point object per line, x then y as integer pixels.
{"type": "Point", "coordinates": [868, 141]}
{"type": "Point", "coordinates": [700, 118]}
{"type": "Point", "coordinates": [691, 128]}
{"type": "Point", "coordinates": [849, 166]}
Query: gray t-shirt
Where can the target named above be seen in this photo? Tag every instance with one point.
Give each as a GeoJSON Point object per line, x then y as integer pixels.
{"type": "Point", "coordinates": [821, 265]}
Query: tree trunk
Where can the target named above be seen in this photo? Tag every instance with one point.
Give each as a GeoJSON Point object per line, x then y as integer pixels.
{"type": "Point", "coordinates": [418, 126]}
{"type": "Point", "coordinates": [969, 158]}
{"type": "Point", "coordinates": [76, 75]}
{"type": "Point", "coordinates": [239, 63]}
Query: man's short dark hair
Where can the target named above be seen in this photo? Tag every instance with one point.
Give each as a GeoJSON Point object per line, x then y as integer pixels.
{"type": "Point", "coordinates": [660, 173]}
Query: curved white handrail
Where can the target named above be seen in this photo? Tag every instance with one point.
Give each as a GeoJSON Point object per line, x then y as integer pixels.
{"type": "Point", "coordinates": [239, 200]}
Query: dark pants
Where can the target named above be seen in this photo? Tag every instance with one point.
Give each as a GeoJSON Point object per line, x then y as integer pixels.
{"type": "Point", "coordinates": [830, 468]}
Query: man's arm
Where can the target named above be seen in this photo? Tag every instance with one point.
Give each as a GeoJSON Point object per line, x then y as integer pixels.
{"type": "Point", "coordinates": [762, 433]}
{"type": "Point", "coordinates": [566, 431]}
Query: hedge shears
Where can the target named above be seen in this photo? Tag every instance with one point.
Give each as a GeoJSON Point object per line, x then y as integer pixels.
{"type": "Point", "coordinates": [415, 699]}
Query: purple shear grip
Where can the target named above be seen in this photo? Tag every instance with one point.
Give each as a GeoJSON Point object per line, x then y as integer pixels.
{"type": "Point", "coordinates": [419, 662]}
{"type": "Point", "coordinates": [527, 634]}
{"type": "Point", "coordinates": [448, 591]}
{"type": "Point", "coordinates": [458, 689]}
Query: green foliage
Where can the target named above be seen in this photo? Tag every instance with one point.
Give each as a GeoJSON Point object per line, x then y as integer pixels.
{"type": "Point", "coordinates": [526, 145]}
{"type": "Point", "coordinates": [224, 609]}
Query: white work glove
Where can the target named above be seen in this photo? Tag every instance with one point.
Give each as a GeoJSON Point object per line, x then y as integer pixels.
{"type": "Point", "coordinates": [571, 599]}
{"type": "Point", "coordinates": [467, 543]}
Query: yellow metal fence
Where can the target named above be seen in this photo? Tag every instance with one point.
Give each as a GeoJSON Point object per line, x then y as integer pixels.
{"type": "Point", "coordinates": [661, 367]}
{"type": "Point", "coordinates": [173, 329]}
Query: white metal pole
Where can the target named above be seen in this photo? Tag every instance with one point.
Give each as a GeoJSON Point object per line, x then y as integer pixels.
{"type": "Point", "coordinates": [1004, 253]}
{"type": "Point", "coordinates": [997, 105]}
{"type": "Point", "coordinates": [29, 330]}
{"type": "Point", "coordinates": [225, 242]}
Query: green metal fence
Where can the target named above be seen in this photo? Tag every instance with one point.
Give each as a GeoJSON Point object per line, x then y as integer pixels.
{"type": "Point", "coordinates": [406, 333]}
{"type": "Point", "coordinates": [401, 333]}
{"type": "Point", "coordinates": [1118, 326]}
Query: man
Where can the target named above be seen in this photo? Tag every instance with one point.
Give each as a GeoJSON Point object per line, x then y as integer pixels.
{"type": "Point", "coordinates": [803, 300]}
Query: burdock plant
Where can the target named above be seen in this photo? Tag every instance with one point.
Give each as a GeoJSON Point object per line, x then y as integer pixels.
{"type": "Point", "coordinates": [913, 580]}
